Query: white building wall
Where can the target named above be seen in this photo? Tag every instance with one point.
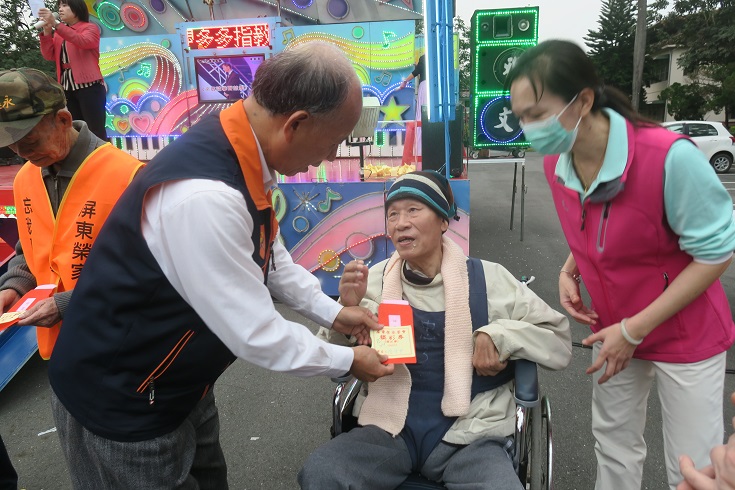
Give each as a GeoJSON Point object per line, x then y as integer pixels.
{"type": "Point", "coordinates": [676, 75]}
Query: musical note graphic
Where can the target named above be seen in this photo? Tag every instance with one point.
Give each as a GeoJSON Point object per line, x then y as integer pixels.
{"type": "Point", "coordinates": [288, 36]}
{"type": "Point", "coordinates": [384, 78]}
{"type": "Point", "coordinates": [144, 70]}
{"type": "Point", "coordinates": [326, 205]}
{"type": "Point", "coordinates": [388, 36]}
{"type": "Point", "coordinates": [121, 78]}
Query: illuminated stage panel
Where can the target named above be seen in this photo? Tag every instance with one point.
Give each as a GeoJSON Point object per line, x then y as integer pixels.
{"type": "Point", "coordinates": [326, 225]}
{"type": "Point", "coordinates": [498, 38]}
{"type": "Point", "coordinates": [142, 78]}
{"type": "Point", "coordinates": [495, 123]}
{"type": "Point", "coordinates": [382, 53]}
{"type": "Point", "coordinates": [231, 36]}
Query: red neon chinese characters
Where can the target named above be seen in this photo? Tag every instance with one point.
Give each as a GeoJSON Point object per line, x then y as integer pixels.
{"type": "Point", "coordinates": [242, 36]}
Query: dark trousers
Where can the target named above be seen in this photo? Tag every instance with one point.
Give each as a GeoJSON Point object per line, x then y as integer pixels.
{"type": "Point", "coordinates": [8, 476]}
{"type": "Point", "coordinates": [188, 458]}
{"type": "Point", "coordinates": [370, 458]}
{"type": "Point", "coordinates": [88, 105]}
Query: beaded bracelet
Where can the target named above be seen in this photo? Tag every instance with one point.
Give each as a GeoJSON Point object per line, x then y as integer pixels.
{"type": "Point", "coordinates": [626, 335]}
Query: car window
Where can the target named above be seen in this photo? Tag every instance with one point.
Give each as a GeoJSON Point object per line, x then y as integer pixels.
{"type": "Point", "coordinates": [677, 128]}
{"type": "Point", "coordinates": [701, 129]}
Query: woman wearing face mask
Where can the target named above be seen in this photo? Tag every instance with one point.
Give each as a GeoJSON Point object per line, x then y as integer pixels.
{"type": "Point", "coordinates": [650, 228]}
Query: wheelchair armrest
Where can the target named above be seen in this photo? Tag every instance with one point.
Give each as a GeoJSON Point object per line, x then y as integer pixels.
{"type": "Point", "coordinates": [344, 398]}
{"type": "Point", "coordinates": [526, 383]}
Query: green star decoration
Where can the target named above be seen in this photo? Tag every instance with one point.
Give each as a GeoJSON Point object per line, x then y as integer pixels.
{"type": "Point", "coordinates": [393, 111]}
{"type": "Point", "coordinates": [108, 121]}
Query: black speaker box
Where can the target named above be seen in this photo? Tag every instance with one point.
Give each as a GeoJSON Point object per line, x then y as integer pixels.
{"type": "Point", "coordinates": [432, 143]}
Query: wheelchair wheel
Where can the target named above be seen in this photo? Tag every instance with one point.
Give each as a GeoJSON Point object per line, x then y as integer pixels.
{"type": "Point", "coordinates": [540, 463]}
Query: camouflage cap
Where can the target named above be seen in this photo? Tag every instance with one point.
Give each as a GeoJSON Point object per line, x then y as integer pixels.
{"type": "Point", "coordinates": [26, 95]}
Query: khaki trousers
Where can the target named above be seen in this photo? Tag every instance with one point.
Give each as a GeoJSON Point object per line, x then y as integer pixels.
{"type": "Point", "coordinates": [691, 403]}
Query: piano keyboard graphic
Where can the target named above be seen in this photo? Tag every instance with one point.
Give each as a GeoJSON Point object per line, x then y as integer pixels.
{"type": "Point", "coordinates": [144, 148]}
{"type": "Point", "coordinates": [386, 144]}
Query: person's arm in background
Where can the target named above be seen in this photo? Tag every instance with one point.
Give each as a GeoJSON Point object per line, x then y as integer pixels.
{"type": "Point", "coordinates": [699, 210]}
{"type": "Point", "coordinates": [522, 326]}
{"type": "Point", "coordinates": [17, 281]}
{"type": "Point", "coordinates": [405, 81]}
{"type": "Point", "coordinates": [48, 49]}
{"type": "Point", "coordinates": [417, 71]}
{"type": "Point", "coordinates": [84, 35]}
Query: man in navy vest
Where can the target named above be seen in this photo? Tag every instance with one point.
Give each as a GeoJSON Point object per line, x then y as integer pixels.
{"type": "Point", "coordinates": [180, 279]}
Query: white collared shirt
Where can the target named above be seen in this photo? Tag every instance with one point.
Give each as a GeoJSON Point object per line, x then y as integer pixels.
{"type": "Point", "coordinates": [199, 231]}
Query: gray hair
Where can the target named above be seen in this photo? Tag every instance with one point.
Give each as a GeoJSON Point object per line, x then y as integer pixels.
{"type": "Point", "coordinates": [314, 77]}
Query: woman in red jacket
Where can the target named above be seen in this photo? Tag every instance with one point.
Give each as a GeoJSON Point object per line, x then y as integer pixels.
{"type": "Point", "coordinates": [74, 44]}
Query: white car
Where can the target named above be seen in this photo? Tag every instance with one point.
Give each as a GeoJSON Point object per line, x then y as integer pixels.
{"type": "Point", "coordinates": [712, 138]}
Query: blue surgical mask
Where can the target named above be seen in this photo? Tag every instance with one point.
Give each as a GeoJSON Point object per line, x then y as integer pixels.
{"type": "Point", "coordinates": [549, 137]}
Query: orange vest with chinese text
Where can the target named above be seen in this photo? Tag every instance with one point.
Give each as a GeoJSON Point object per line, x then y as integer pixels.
{"type": "Point", "coordinates": [56, 247]}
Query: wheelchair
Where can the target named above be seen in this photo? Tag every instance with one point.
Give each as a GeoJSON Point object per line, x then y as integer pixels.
{"type": "Point", "coordinates": [532, 448]}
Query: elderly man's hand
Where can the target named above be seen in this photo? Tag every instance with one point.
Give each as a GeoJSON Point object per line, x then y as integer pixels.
{"type": "Point", "coordinates": [357, 321]}
{"type": "Point", "coordinates": [8, 298]}
{"type": "Point", "coordinates": [44, 314]}
{"type": "Point", "coordinates": [486, 359]}
{"type": "Point", "coordinates": [368, 364]}
{"type": "Point", "coordinates": [353, 284]}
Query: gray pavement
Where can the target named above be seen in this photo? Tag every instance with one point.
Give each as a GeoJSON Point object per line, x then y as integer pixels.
{"type": "Point", "coordinates": [271, 421]}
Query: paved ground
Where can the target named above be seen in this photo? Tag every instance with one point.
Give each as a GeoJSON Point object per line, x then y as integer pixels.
{"type": "Point", "coordinates": [272, 421]}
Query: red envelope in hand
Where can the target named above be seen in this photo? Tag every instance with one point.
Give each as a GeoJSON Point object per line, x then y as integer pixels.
{"type": "Point", "coordinates": [32, 297]}
{"type": "Point", "coordinates": [396, 339]}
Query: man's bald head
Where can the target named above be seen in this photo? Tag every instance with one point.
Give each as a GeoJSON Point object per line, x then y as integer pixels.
{"type": "Point", "coordinates": [315, 77]}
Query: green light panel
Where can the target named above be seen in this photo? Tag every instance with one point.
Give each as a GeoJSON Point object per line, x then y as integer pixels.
{"type": "Point", "coordinates": [498, 38]}
{"type": "Point", "coordinates": [379, 138]}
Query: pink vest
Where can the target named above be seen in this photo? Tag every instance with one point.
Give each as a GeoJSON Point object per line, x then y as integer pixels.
{"type": "Point", "coordinates": [628, 255]}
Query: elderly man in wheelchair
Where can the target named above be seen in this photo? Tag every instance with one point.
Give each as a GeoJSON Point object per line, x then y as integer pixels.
{"type": "Point", "coordinates": [450, 417]}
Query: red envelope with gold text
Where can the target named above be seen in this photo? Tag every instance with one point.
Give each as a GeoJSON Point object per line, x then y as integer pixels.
{"type": "Point", "coordinates": [396, 339]}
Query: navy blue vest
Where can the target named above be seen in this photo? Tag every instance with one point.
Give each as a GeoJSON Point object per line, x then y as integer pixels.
{"type": "Point", "coordinates": [426, 424]}
{"type": "Point", "coordinates": [134, 358]}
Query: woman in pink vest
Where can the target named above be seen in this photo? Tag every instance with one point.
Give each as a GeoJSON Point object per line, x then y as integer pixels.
{"type": "Point", "coordinates": [73, 43]}
{"type": "Point", "coordinates": [650, 229]}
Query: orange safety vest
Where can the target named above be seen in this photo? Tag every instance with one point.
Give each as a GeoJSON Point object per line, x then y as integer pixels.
{"type": "Point", "coordinates": [56, 248]}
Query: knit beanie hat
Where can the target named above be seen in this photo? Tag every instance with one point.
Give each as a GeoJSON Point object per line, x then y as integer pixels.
{"type": "Point", "coordinates": [427, 186]}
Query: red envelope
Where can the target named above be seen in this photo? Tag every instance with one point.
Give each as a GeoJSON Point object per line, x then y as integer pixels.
{"type": "Point", "coordinates": [396, 339]}
{"type": "Point", "coordinates": [32, 297]}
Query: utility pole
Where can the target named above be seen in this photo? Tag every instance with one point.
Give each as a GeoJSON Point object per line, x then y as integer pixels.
{"type": "Point", "coordinates": [639, 52]}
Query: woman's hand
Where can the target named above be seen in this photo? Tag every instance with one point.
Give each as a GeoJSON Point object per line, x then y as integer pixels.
{"type": "Point", "coordinates": [616, 352]}
{"type": "Point", "coordinates": [47, 16]}
{"type": "Point", "coordinates": [353, 284]}
{"type": "Point", "coordinates": [571, 300]}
